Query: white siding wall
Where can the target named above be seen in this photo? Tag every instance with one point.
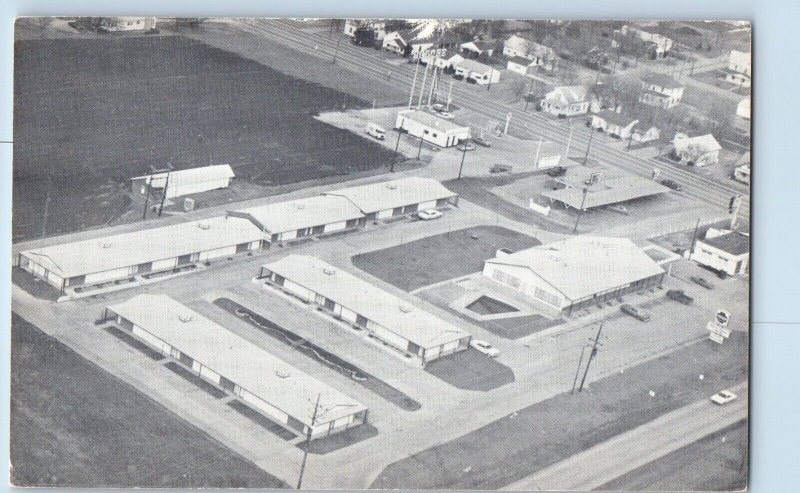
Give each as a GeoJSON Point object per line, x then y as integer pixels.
{"type": "Point", "coordinates": [164, 264]}
{"type": "Point", "coordinates": [209, 374]}
{"type": "Point", "coordinates": [336, 226]}
{"type": "Point", "coordinates": [196, 366]}
{"type": "Point", "coordinates": [348, 314]}
{"type": "Point", "coordinates": [55, 279]}
{"type": "Point", "coordinates": [264, 406]}
{"type": "Point", "coordinates": [427, 205]}
{"type": "Point", "coordinates": [107, 275]}
{"type": "Point", "coordinates": [718, 259]}
{"type": "Point", "coordinates": [432, 353]}
{"type": "Point", "coordinates": [288, 235]}
{"type": "Point", "coordinates": [450, 346]}
{"type": "Point", "coordinates": [298, 290]}
{"type": "Point", "coordinates": [151, 339]}
{"type": "Point", "coordinates": [190, 188]}
{"type": "Point", "coordinates": [219, 252]}
{"type": "Point", "coordinates": [387, 335]}
{"type": "Point", "coordinates": [384, 214]}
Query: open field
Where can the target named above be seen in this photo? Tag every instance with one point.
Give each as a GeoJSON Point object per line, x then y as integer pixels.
{"type": "Point", "coordinates": [94, 112]}
{"type": "Point", "coordinates": [716, 462]}
{"type": "Point", "coordinates": [73, 424]}
{"type": "Point", "coordinates": [441, 257]}
{"type": "Point", "coordinates": [552, 430]}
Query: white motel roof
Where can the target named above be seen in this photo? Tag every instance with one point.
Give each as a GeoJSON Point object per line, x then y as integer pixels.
{"type": "Point", "coordinates": [139, 247]}
{"type": "Point", "coordinates": [304, 213]}
{"type": "Point", "coordinates": [254, 369]}
{"type": "Point", "coordinates": [582, 266]}
{"type": "Point", "coordinates": [190, 176]}
{"type": "Point", "coordinates": [396, 193]}
{"type": "Point", "coordinates": [385, 309]}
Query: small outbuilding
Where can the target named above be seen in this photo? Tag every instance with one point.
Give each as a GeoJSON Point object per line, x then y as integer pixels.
{"type": "Point", "coordinates": [185, 181]}
{"type": "Point", "coordinates": [724, 250]}
{"type": "Point", "coordinates": [431, 128]}
{"type": "Point", "coordinates": [478, 72]}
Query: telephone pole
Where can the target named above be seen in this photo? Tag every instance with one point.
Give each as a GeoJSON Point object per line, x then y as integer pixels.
{"type": "Point", "coordinates": [589, 145]}
{"type": "Point", "coordinates": [591, 356]}
{"type": "Point", "coordinates": [308, 443]}
{"type": "Point", "coordinates": [147, 196]}
{"type": "Point", "coordinates": [397, 146]}
{"type": "Point", "coordinates": [336, 52]}
{"type": "Point", "coordinates": [578, 371]}
{"type": "Point", "coordinates": [463, 155]}
{"type": "Point", "coordinates": [694, 239]}
{"type": "Point", "coordinates": [163, 197]}
{"type": "Point", "coordinates": [422, 89]}
{"type": "Point", "coordinates": [580, 212]}
{"type": "Point", "coordinates": [413, 85]}
{"type": "Point", "coordinates": [47, 203]}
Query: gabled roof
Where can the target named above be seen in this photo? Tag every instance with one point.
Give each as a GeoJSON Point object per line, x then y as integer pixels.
{"type": "Point", "coordinates": [396, 193]}
{"type": "Point", "coordinates": [701, 143]}
{"type": "Point", "coordinates": [520, 61]}
{"type": "Point", "coordinates": [303, 213]}
{"type": "Point", "coordinates": [581, 266]}
{"type": "Point", "coordinates": [734, 243]}
{"type": "Point", "coordinates": [574, 94]}
{"type": "Point", "coordinates": [523, 44]}
{"type": "Point", "coordinates": [381, 307]}
{"type": "Point", "coordinates": [139, 247]}
{"type": "Point", "coordinates": [189, 176]}
{"type": "Point", "coordinates": [480, 44]}
{"type": "Point", "coordinates": [616, 118]}
{"type": "Point", "coordinates": [661, 80]}
{"type": "Point", "coordinates": [473, 66]}
{"type": "Point", "coordinates": [252, 368]}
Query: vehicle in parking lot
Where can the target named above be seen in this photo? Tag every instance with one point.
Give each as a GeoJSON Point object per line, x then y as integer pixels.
{"type": "Point", "coordinates": [458, 76]}
{"type": "Point", "coordinates": [481, 141]}
{"type": "Point", "coordinates": [501, 168]}
{"type": "Point", "coordinates": [484, 347]}
{"type": "Point", "coordinates": [466, 147]}
{"type": "Point", "coordinates": [438, 107]}
{"type": "Point", "coordinates": [702, 281]}
{"type": "Point", "coordinates": [674, 185]}
{"type": "Point", "coordinates": [429, 214]}
{"type": "Point", "coordinates": [635, 312]}
{"type": "Point", "coordinates": [679, 296]}
{"type": "Point", "coordinates": [723, 397]}
{"type": "Point", "coordinates": [470, 80]}
{"type": "Point", "coordinates": [376, 131]}
{"type": "Point", "coordinates": [557, 171]}
{"type": "Point", "coordinates": [618, 208]}
{"type": "Point", "coordinates": [445, 115]}
{"type": "Point", "coordinates": [719, 273]}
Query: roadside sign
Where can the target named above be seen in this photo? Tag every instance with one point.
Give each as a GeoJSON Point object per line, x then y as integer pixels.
{"type": "Point", "coordinates": [722, 317]}
{"type": "Point", "coordinates": [716, 338]}
{"type": "Point", "coordinates": [718, 329]}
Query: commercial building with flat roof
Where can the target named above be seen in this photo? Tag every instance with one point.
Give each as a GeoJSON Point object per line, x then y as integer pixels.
{"type": "Point", "coordinates": [587, 188]}
{"type": "Point", "coordinates": [292, 219]}
{"type": "Point", "coordinates": [185, 181]}
{"type": "Point", "coordinates": [396, 197]}
{"type": "Point", "coordinates": [431, 128]}
{"type": "Point", "coordinates": [724, 251]}
{"type": "Point", "coordinates": [576, 272]}
{"type": "Point", "coordinates": [266, 383]}
{"type": "Point", "coordinates": [405, 327]}
{"type": "Point", "coordinates": [123, 256]}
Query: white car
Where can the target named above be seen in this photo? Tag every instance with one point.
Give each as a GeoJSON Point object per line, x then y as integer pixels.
{"type": "Point", "coordinates": [429, 214]}
{"type": "Point", "coordinates": [723, 397]}
{"type": "Point", "coordinates": [484, 347]}
{"type": "Point", "coordinates": [446, 115]}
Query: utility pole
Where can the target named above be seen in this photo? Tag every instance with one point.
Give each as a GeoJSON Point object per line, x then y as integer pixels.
{"type": "Point", "coordinates": [47, 203]}
{"type": "Point", "coordinates": [419, 150]}
{"type": "Point", "coordinates": [449, 96]}
{"type": "Point", "coordinates": [463, 155]}
{"type": "Point", "coordinates": [536, 158]}
{"type": "Point", "coordinates": [397, 145]}
{"type": "Point", "coordinates": [578, 371]}
{"type": "Point", "coordinates": [413, 85]}
{"type": "Point", "coordinates": [589, 145]}
{"type": "Point", "coordinates": [735, 203]}
{"type": "Point", "coordinates": [528, 96]}
{"type": "Point", "coordinates": [569, 141]}
{"type": "Point", "coordinates": [336, 52]}
{"type": "Point", "coordinates": [580, 212]}
{"type": "Point", "coordinates": [433, 83]}
{"type": "Point", "coordinates": [630, 139]}
{"type": "Point", "coordinates": [591, 356]}
{"type": "Point", "coordinates": [147, 196]}
{"type": "Point", "coordinates": [330, 34]}
{"type": "Point", "coordinates": [164, 197]}
{"type": "Point", "coordinates": [491, 73]}
{"type": "Point", "coordinates": [308, 443]}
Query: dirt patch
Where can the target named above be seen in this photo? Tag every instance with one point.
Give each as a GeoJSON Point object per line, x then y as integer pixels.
{"type": "Point", "coordinates": [74, 425]}
{"type": "Point", "coordinates": [441, 257]}
{"type": "Point", "coordinates": [486, 305]}
{"type": "Point", "coordinates": [547, 432]}
{"type": "Point", "coordinates": [471, 370]}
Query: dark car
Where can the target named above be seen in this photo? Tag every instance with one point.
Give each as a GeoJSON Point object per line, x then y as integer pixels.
{"type": "Point", "coordinates": [458, 76]}
{"type": "Point", "coordinates": [635, 312]}
{"type": "Point", "coordinates": [702, 281]}
{"type": "Point", "coordinates": [672, 185]}
{"type": "Point", "coordinates": [557, 171]}
{"type": "Point", "coordinates": [679, 296]}
{"type": "Point", "coordinates": [470, 80]}
{"type": "Point", "coordinates": [481, 141]}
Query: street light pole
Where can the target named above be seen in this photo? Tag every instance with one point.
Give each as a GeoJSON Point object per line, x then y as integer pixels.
{"type": "Point", "coordinates": [463, 155]}
{"type": "Point", "coordinates": [580, 212]}
{"type": "Point", "coordinates": [308, 443]}
{"type": "Point", "coordinates": [591, 356]}
{"type": "Point", "coordinates": [578, 371]}
{"type": "Point", "coordinates": [589, 145]}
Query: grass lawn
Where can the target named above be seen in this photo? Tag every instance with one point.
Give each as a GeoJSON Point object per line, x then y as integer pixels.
{"type": "Point", "coordinates": [709, 464]}
{"type": "Point", "coordinates": [96, 112]}
{"type": "Point", "coordinates": [547, 432]}
{"type": "Point", "coordinates": [471, 370]}
{"type": "Point", "coordinates": [441, 257]}
{"type": "Point", "coordinates": [74, 425]}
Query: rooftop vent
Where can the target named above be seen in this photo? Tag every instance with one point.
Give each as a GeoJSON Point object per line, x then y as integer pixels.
{"type": "Point", "coordinates": [391, 186]}
{"type": "Point", "coordinates": [328, 271]}
{"type": "Point", "coordinates": [185, 317]}
{"type": "Point", "coordinates": [104, 244]}
{"type": "Point", "coordinates": [282, 373]}
{"type": "Point", "coordinates": [203, 225]}
{"type": "Point", "coordinates": [405, 308]}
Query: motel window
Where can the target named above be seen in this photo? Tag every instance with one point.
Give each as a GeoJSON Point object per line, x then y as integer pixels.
{"type": "Point", "coordinates": [546, 296]}
{"type": "Point", "coordinates": [426, 132]}
{"type": "Point", "coordinates": [434, 135]}
{"type": "Point", "coordinates": [441, 202]}
{"type": "Point", "coordinates": [361, 320]}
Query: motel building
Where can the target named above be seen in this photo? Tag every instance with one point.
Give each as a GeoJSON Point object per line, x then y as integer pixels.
{"type": "Point", "coordinates": [431, 128]}
{"type": "Point", "coordinates": [312, 216]}
{"type": "Point", "coordinates": [128, 257]}
{"type": "Point", "coordinates": [262, 381]}
{"type": "Point", "coordinates": [725, 251]}
{"type": "Point", "coordinates": [577, 272]}
{"type": "Point", "coordinates": [185, 181]}
{"type": "Point", "coordinates": [397, 197]}
{"type": "Point", "coordinates": [406, 328]}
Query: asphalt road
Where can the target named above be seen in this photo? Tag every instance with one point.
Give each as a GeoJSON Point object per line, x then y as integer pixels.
{"type": "Point", "coordinates": [371, 64]}
{"type": "Point", "coordinates": [628, 451]}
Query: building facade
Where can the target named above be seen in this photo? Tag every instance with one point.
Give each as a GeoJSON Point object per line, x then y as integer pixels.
{"type": "Point", "coordinates": [431, 128]}
{"type": "Point", "coordinates": [724, 251]}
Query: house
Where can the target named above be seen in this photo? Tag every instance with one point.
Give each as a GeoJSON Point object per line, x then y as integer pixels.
{"type": "Point", "coordinates": [288, 220]}
{"type": "Point", "coordinates": [567, 101]}
{"type": "Point", "coordinates": [661, 90]}
{"type": "Point", "coordinates": [123, 24]}
{"type": "Point", "coordinates": [696, 151]}
{"type": "Point", "coordinates": [739, 69]}
{"type": "Point", "coordinates": [396, 197]}
{"type": "Point", "coordinates": [397, 42]}
{"type": "Point", "coordinates": [743, 109]}
{"type": "Point", "coordinates": [378, 27]}
{"type": "Point", "coordinates": [741, 172]}
{"type": "Point", "coordinates": [723, 250]}
{"type": "Point", "coordinates": [576, 273]}
{"type": "Point", "coordinates": [476, 48]}
{"type": "Point", "coordinates": [431, 127]}
{"type": "Point", "coordinates": [185, 181]}
{"type": "Point", "coordinates": [541, 56]}
{"type": "Point", "coordinates": [143, 253]}
{"type": "Point", "coordinates": [392, 320]}
{"type": "Point", "coordinates": [522, 66]}
{"type": "Point", "coordinates": [646, 134]}
{"type": "Point", "coordinates": [615, 124]}
{"type": "Point", "coordinates": [660, 43]}
{"type": "Point", "coordinates": [480, 73]}
{"type": "Point", "coordinates": [283, 393]}
{"type": "Point", "coordinates": [443, 61]}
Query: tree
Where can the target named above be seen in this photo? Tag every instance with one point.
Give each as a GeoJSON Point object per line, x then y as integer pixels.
{"type": "Point", "coordinates": [364, 36]}
{"type": "Point", "coordinates": [573, 31]}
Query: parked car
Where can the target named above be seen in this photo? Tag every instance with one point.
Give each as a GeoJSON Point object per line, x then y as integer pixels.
{"type": "Point", "coordinates": [672, 185]}
{"type": "Point", "coordinates": [458, 76]}
{"type": "Point", "coordinates": [429, 214]}
{"type": "Point", "coordinates": [679, 296]}
{"type": "Point", "coordinates": [719, 273]}
{"type": "Point", "coordinates": [702, 281]}
{"type": "Point", "coordinates": [621, 209]}
{"type": "Point", "coordinates": [438, 107]}
{"type": "Point", "coordinates": [481, 141]}
{"type": "Point", "coordinates": [557, 171]}
{"type": "Point", "coordinates": [470, 80]}
{"type": "Point", "coordinates": [635, 312]}
{"type": "Point", "coordinates": [445, 115]}
{"type": "Point", "coordinates": [484, 347]}
{"type": "Point", "coordinates": [723, 397]}
{"type": "Point", "coordinates": [376, 131]}
{"type": "Point", "coordinates": [501, 168]}
{"type": "Point", "coordinates": [466, 147]}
